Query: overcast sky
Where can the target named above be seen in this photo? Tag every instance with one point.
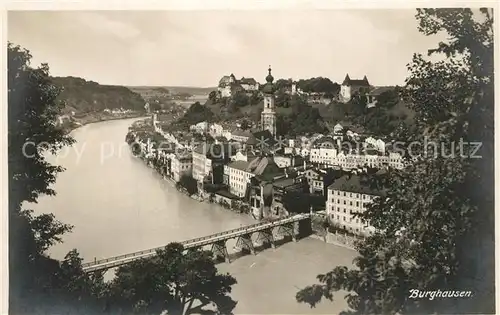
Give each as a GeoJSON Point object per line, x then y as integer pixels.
{"type": "Point", "coordinates": [196, 48]}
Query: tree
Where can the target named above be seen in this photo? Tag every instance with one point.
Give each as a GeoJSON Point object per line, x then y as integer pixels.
{"type": "Point", "coordinates": [240, 99]}
{"type": "Point", "coordinates": [35, 281]}
{"type": "Point", "coordinates": [155, 106]}
{"type": "Point", "coordinates": [189, 183]}
{"type": "Point", "coordinates": [255, 98]}
{"type": "Point", "coordinates": [435, 225]}
{"type": "Point", "coordinates": [296, 201]}
{"type": "Point", "coordinates": [195, 114]}
{"type": "Point", "coordinates": [175, 281]}
{"type": "Point", "coordinates": [213, 97]}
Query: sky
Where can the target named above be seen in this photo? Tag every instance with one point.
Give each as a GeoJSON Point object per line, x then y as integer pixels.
{"type": "Point", "coordinates": [196, 48]}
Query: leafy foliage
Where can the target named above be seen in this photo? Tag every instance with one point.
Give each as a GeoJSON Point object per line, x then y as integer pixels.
{"type": "Point", "coordinates": [195, 114]}
{"type": "Point", "coordinates": [304, 119]}
{"type": "Point", "coordinates": [296, 201]}
{"type": "Point", "coordinates": [37, 282]}
{"type": "Point", "coordinates": [173, 281]}
{"type": "Point", "coordinates": [319, 85]}
{"type": "Point", "coordinates": [435, 225]}
{"type": "Point", "coordinates": [240, 99]}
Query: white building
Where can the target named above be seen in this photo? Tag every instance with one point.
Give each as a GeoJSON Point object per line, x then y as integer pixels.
{"type": "Point", "coordinates": [287, 160]}
{"type": "Point", "coordinates": [227, 134]}
{"type": "Point", "coordinates": [241, 136]}
{"type": "Point", "coordinates": [243, 156]}
{"type": "Point", "coordinates": [202, 165]}
{"type": "Point", "coordinates": [237, 174]}
{"type": "Point", "coordinates": [228, 85]}
{"type": "Point", "coordinates": [325, 156]}
{"type": "Point", "coordinates": [182, 164]}
{"type": "Point", "coordinates": [249, 84]}
{"type": "Point", "coordinates": [216, 130]}
{"type": "Point", "coordinates": [200, 127]}
{"type": "Point", "coordinates": [345, 197]}
{"type": "Point", "coordinates": [337, 129]}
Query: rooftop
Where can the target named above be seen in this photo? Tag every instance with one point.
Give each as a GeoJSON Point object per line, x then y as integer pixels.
{"type": "Point", "coordinates": [354, 183]}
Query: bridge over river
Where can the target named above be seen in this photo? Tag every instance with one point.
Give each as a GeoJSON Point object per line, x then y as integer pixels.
{"type": "Point", "coordinates": [244, 234]}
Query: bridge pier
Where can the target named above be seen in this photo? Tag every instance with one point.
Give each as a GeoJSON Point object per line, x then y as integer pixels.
{"type": "Point", "coordinates": [245, 243]}
{"type": "Point", "coordinates": [288, 229]}
{"type": "Point", "coordinates": [267, 237]}
{"type": "Point", "coordinates": [219, 250]}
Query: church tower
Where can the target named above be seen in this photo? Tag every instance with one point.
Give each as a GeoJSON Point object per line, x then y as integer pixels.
{"type": "Point", "coordinates": [268, 115]}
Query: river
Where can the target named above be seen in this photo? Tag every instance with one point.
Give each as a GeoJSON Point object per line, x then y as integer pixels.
{"type": "Point", "coordinates": [119, 205]}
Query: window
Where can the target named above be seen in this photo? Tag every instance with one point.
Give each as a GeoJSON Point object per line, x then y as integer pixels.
{"type": "Point", "coordinates": [344, 202]}
{"type": "Point", "coordinates": [344, 193]}
{"type": "Point", "coordinates": [338, 218]}
{"type": "Point", "coordinates": [350, 203]}
{"type": "Point", "coordinates": [338, 200]}
{"type": "Point", "coordinates": [357, 203]}
{"type": "Point", "coordinates": [344, 210]}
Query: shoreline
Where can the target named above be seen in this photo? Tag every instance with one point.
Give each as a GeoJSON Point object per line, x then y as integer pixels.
{"type": "Point", "coordinates": [69, 130]}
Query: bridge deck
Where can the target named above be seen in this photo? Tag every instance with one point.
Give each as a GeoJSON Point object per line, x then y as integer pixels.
{"type": "Point", "coordinates": [192, 243]}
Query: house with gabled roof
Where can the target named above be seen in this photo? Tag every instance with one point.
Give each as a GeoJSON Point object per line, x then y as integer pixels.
{"type": "Point", "coordinates": [350, 87]}
{"type": "Point", "coordinates": [237, 174]}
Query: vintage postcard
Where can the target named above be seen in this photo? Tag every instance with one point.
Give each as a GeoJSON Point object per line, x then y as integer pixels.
{"type": "Point", "coordinates": [285, 158]}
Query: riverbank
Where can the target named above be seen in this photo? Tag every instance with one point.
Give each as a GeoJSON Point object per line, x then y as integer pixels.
{"type": "Point", "coordinates": [120, 206]}
{"type": "Point", "coordinates": [96, 118]}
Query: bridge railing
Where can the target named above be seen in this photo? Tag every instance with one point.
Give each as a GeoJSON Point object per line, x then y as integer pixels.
{"type": "Point", "coordinates": [195, 240]}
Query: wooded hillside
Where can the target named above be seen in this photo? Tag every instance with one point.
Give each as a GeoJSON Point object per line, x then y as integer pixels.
{"type": "Point", "coordinates": [83, 96]}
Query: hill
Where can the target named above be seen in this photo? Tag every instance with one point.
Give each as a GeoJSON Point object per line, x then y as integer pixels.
{"type": "Point", "coordinates": [380, 120]}
{"type": "Point", "coordinates": [149, 91]}
{"type": "Point", "coordinates": [83, 96]}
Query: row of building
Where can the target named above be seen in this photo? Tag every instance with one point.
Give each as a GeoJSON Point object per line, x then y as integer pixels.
{"type": "Point", "coordinates": [260, 179]}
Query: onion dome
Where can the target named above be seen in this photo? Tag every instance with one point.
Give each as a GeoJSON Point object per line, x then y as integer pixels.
{"type": "Point", "coordinates": [269, 77]}
{"type": "Point", "coordinates": [269, 86]}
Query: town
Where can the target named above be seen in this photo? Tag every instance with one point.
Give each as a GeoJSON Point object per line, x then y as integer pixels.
{"type": "Point", "coordinates": [253, 167]}
{"type": "Point", "coordinates": [305, 161]}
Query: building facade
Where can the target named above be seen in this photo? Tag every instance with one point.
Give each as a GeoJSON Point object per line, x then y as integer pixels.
{"type": "Point", "coordinates": [324, 156]}
{"type": "Point", "coordinates": [346, 196]}
{"type": "Point", "coordinates": [268, 115]}
{"type": "Point", "coordinates": [182, 164]}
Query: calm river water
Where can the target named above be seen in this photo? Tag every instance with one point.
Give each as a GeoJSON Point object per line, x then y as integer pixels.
{"type": "Point", "coordinates": [118, 205]}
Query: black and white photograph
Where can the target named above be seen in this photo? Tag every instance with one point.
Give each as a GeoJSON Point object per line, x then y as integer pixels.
{"type": "Point", "coordinates": [249, 158]}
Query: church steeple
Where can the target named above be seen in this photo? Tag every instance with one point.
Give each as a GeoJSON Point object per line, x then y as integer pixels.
{"type": "Point", "coordinates": [347, 80]}
{"type": "Point", "coordinates": [268, 116]}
